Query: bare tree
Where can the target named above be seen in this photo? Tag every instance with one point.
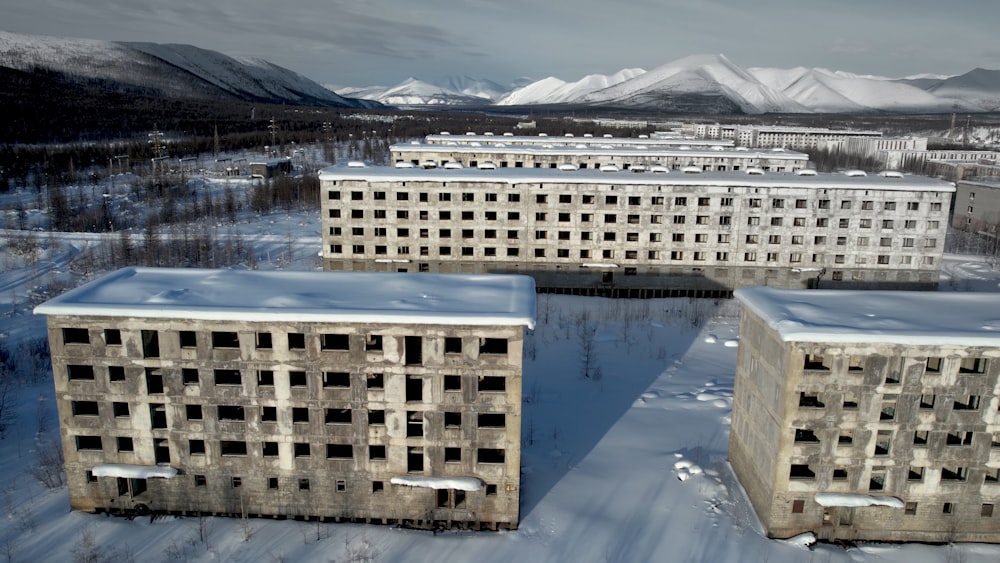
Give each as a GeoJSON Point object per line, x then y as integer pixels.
{"type": "Point", "coordinates": [586, 334]}
{"type": "Point", "coordinates": [48, 467]}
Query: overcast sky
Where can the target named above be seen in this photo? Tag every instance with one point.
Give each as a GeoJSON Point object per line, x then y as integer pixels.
{"type": "Point", "coordinates": [382, 42]}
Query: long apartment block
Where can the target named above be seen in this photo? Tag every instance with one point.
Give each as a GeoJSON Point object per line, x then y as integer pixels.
{"type": "Point", "coordinates": [869, 415]}
{"type": "Point", "coordinates": [639, 234]}
{"type": "Point", "coordinates": [602, 157]}
{"type": "Point", "coordinates": [337, 396]}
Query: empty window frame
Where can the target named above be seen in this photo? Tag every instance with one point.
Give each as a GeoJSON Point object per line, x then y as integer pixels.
{"type": "Point", "coordinates": [338, 380]}
{"type": "Point", "coordinates": [335, 342]}
{"type": "Point", "coordinates": [76, 336]}
{"type": "Point", "coordinates": [225, 339]}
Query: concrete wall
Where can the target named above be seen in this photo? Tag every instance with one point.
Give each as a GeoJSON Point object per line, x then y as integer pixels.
{"type": "Point", "coordinates": [934, 453]}
{"type": "Point", "coordinates": [701, 236]}
{"type": "Point", "coordinates": [441, 390]}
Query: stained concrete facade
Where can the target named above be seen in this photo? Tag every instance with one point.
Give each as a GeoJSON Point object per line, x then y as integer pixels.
{"type": "Point", "coordinates": [977, 205]}
{"type": "Point", "coordinates": [629, 234]}
{"type": "Point", "coordinates": [305, 419]}
{"type": "Point", "coordinates": [568, 140]}
{"type": "Point", "coordinates": [768, 136]}
{"type": "Point", "coordinates": [900, 419]}
{"type": "Point", "coordinates": [583, 156]}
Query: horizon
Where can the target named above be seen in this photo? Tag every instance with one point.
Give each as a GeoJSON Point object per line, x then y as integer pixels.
{"type": "Point", "coordinates": [360, 45]}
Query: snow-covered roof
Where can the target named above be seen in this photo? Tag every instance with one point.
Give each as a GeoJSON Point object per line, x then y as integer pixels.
{"type": "Point", "coordinates": [855, 500]}
{"type": "Point", "coordinates": [599, 150]}
{"type": "Point", "coordinates": [591, 176]}
{"type": "Point", "coordinates": [542, 138]}
{"type": "Point", "coordinates": [891, 317]}
{"type": "Point", "coordinates": [459, 483]}
{"type": "Point", "coordinates": [354, 297]}
{"type": "Point", "coordinates": [133, 471]}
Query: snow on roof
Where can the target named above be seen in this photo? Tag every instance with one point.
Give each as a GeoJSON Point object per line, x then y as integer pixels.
{"type": "Point", "coordinates": [133, 471]}
{"type": "Point", "coordinates": [891, 317]}
{"type": "Point", "coordinates": [727, 179]}
{"type": "Point", "coordinates": [598, 150]}
{"type": "Point", "coordinates": [855, 500]}
{"type": "Point", "coordinates": [460, 483]}
{"type": "Point", "coordinates": [252, 295]}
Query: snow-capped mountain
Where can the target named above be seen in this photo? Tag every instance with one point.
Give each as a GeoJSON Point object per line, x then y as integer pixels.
{"type": "Point", "coordinates": [164, 70]}
{"type": "Point", "coordinates": [978, 86]}
{"type": "Point", "coordinates": [713, 76]}
{"type": "Point", "coordinates": [414, 92]}
{"type": "Point", "coordinates": [552, 90]}
{"type": "Point", "coordinates": [451, 90]}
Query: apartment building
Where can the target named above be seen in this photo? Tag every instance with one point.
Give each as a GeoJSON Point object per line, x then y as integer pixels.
{"type": "Point", "coordinates": [770, 136]}
{"type": "Point", "coordinates": [311, 395]}
{"type": "Point", "coordinates": [869, 415]}
{"type": "Point", "coordinates": [569, 140]}
{"type": "Point", "coordinates": [606, 157]}
{"type": "Point", "coordinates": [639, 234]}
{"type": "Point", "coordinates": [977, 205]}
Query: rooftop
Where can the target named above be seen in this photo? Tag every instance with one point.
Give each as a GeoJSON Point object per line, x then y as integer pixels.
{"type": "Point", "coordinates": [886, 317]}
{"type": "Point", "coordinates": [556, 139]}
{"type": "Point", "coordinates": [252, 295]}
{"type": "Point", "coordinates": [622, 178]}
{"type": "Point", "coordinates": [501, 146]}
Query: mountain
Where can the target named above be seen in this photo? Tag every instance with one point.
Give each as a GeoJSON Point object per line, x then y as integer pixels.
{"type": "Point", "coordinates": [174, 71]}
{"type": "Point", "coordinates": [713, 77]}
{"type": "Point", "coordinates": [552, 90]}
{"type": "Point", "coordinates": [451, 90]}
{"type": "Point", "coordinates": [978, 86]}
{"type": "Point", "coordinates": [414, 92]}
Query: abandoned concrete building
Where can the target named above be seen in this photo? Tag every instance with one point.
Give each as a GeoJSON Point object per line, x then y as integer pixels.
{"type": "Point", "coordinates": [639, 234]}
{"type": "Point", "coordinates": [603, 157]}
{"type": "Point", "coordinates": [869, 415]}
{"type": "Point", "coordinates": [569, 140]}
{"type": "Point", "coordinates": [768, 136]}
{"type": "Point", "coordinates": [977, 205]}
{"type": "Point", "coordinates": [312, 395]}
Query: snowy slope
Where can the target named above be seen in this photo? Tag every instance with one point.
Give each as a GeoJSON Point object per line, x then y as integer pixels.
{"type": "Point", "coordinates": [163, 70]}
{"type": "Point", "coordinates": [700, 74]}
{"type": "Point", "coordinates": [415, 92]}
{"type": "Point", "coordinates": [979, 86]}
{"type": "Point", "coordinates": [476, 87]}
{"type": "Point", "coordinates": [824, 90]}
{"type": "Point", "coordinates": [555, 91]}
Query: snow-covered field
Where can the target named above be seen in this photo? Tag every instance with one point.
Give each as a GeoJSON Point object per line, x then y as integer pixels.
{"type": "Point", "coordinates": [628, 464]}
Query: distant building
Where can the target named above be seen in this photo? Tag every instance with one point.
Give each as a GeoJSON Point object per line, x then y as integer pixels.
{"type": "Point", "coordinates": [639, 234]}
{"type": "Point", "coordinates": [335, 396]}
{"type": "Point", "coordinates": [596, 156]}
{"type": "Point", "coordinates": [271, 168]}
{"type": "Point", "coordinates": [770, 136]}
{"type": "Point", "coordinates": [572, 141]}
{"type": "Point", "coordinates": [869, 415]}
{"type": "Point", "coordinates": [977, 205]}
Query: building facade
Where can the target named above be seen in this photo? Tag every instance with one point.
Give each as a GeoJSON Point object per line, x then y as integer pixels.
{"type": "Point", "coordinates": [569, 140]}
{"type": "Point", "coordinates": [869, 415]}
{"type": "Point", "coordinates": [504, 155]}
{"type": "Point", "coordinates": [313, 395]}
{"type": "Point", "coordinates": [977, 205]}
{"type": "Point", "coordinates": [632, 234]}
{"type": "Point", "coordinates": [770, 136]}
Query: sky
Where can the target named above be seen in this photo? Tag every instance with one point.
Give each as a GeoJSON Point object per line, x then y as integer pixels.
{"type": "Point", "coordinates": [383, 42]}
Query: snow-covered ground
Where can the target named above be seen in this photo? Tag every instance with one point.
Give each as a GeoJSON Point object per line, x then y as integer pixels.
{"type": "Point", "coordinates": [628, 464]}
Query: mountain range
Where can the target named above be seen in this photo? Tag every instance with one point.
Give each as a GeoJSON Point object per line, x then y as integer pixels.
{"type": "Point", "coordinates": [172, 71]}
{"type": "Point", "coordinates": [714, 84]}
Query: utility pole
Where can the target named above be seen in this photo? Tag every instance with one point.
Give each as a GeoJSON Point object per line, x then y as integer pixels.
{"type": "Point", "coordinates": [274, 132]}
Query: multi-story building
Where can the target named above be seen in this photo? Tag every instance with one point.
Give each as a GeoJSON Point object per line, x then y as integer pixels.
{"type": "Point", "coordinates": [504, 155]}
{"type": "Point", "coordinates": [869, 415]}
{"type": "Point", "coordinates": [569, 140]}
{"type": "Point", "coordinates": [639, 234]}
{"type": "Point", "coordinates": [337, 396]}
{"type": "Point", "coordinates": [769, 136]}
{"type": "Point", "coordinates": [976, 205]}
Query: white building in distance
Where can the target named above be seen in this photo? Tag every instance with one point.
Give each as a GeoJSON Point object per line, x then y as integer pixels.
{"type": "Point", "coordinates": [638, 234]}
